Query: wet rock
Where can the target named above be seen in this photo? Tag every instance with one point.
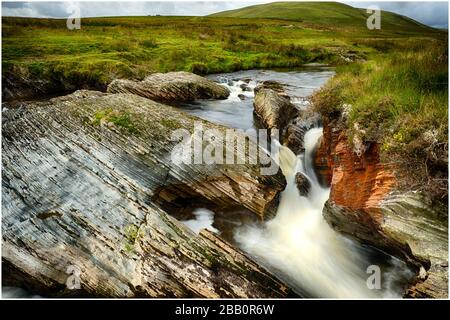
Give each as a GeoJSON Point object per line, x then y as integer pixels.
{"type": "Point", "coordinates": [271, 84]}
{"type": "Point", "coordinates": [365, 204]}
{"type": "Point", "coordinates": [322, 168]}
{"type": "Point", "coordinates": [272, 106]}
{"type": "Point", "coordinates": [241, 96]}
{"type": "Point", "coordinates": [81, 195]}
{"type": "Point", "coordinates": [303, 184]}
{"type": "Point", "coordinates": [245, 87]}
{"type": "Point", "coordinates": [170, 87]}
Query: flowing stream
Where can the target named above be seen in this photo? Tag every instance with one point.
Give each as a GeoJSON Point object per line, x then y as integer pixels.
{"type": "Point", "coordinates": [298, 245]}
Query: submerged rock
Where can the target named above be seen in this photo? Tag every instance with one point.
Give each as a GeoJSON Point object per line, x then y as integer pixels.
{"type": "Point", "coordinates": [245, 87]}
{"type": "Point", "coordinates": [171, 87]}
{"type": "Point", "coordinates": [84, 178]}
{"type": "Point", "coordinates": [365, 204]}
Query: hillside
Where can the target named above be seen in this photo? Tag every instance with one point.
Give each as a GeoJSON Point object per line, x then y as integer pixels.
{"type": "Point", "coordinates": [323, 13]}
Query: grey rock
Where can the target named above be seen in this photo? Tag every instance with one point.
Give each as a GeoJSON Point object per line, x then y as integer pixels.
{"type": "Point", "coordinates": [81, 175]}
{"type": "Point", "coordinates": [171, 87]}
{"type": "Point", "coordinates": [410, 228]}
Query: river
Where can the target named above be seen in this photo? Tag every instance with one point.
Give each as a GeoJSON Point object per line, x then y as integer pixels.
{"type": "Point", "coordinates": [297, 245]}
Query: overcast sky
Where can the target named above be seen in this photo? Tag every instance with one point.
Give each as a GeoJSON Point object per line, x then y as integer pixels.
{"type": "Point", "coordinates": [431, 13]}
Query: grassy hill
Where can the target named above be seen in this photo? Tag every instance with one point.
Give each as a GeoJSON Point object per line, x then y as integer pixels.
{"type": "Point", "coordinates": [324, 13]}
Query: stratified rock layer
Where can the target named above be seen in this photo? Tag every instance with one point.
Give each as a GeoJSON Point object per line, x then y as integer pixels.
{"type": "Point", "coordinates": [364, 204]}
{"type": "Point", "coordinates": [171, 87]}
{"type": "Point", "coordinates": [79, 176]}
{"type": "Point", "coordinates": [273, 107]}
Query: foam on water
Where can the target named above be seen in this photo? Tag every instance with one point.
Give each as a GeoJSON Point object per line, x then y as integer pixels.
{"type": "Point", "coordinates": [204, 219]}
{"type": "Point", "coordinates": [301, 247]}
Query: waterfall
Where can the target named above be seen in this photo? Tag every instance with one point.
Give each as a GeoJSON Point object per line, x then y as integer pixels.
{"type": "Point", "coordinates": [298, 246]}
{"type": "Point", "coordinates": [298, 243]}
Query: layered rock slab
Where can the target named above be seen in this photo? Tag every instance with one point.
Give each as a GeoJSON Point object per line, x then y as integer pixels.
{"type": "Point", "coordinates": [272, 106]}
{"type": "Point", "coordinates": [171, 87]}
{"type": "Point", "coordinates": [79, 176]}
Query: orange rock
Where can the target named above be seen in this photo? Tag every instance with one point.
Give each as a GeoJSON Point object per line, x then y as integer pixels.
{"type": "Point", "coordinates": [357, 183]}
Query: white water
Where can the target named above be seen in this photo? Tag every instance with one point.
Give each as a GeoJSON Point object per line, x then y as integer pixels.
{"type": "Point", "coordinates": [299, 244]}
{"type": "Point", "coordinates": [204, 219]}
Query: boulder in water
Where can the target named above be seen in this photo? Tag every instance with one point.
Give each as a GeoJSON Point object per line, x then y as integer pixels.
{"type": "Point", "coordinates": [171, 87]}
{"type": "Point", "coordinates": [294, 134]}
{"type": "Point", "coordinates": [245, 87]}
{"type": "Point", "coordinates": [303, 184]}
{"type": "Point", "coordinates": [272, 106]}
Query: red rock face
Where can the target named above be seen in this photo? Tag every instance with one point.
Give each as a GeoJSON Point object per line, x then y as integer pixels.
{"type": "Point", "coordinates": [357, 183]}
{"type": "Point", "coordinates": [355, 207]}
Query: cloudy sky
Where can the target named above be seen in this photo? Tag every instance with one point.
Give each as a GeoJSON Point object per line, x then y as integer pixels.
{"type": "Point", "coordinates": [431, 13]}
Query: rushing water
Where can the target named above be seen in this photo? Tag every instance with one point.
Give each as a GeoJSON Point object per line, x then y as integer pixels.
{"type": "Point", "coordinates": [298, 245]}
{"type": "Point", "coordinates": [237, 110]}
{"type": "Point", "coordinates": [311, 257]}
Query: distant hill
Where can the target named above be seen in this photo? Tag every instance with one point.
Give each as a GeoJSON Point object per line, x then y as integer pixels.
{"type": "Point", "coordinates": [324, 13]}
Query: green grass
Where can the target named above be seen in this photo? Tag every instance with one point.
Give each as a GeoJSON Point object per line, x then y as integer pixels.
{"type": "Point", "coordinates": [398, 99]}
{"type": "Point", "coordinates": [132, 47]}
{"type": "Point", "coordinates": [121, 119]}
{"type": "Point", "coordinates": [132, 235]}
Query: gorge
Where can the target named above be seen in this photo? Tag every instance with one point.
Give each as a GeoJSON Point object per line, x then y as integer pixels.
{"type": "Point", "coordinates": [104, 195]}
